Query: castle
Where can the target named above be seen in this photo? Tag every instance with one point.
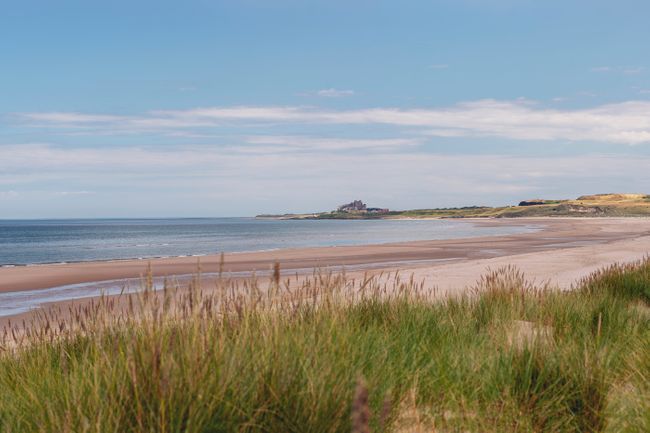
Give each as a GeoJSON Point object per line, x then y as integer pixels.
{"type": "Point", "coordinates": [357, 206]}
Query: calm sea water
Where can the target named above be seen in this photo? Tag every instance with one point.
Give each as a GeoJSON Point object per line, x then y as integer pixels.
{"type": "Point", "coordinates": [54, 241]}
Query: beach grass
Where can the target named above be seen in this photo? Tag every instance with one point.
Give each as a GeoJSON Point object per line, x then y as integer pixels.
{"type": "Point", "coordinates": [332, 354]}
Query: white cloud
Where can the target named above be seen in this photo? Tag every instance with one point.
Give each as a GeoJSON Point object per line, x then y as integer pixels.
{"type": "Point", "coordinates": [334, 93]}
{"type": "Point", "coordinates": [72, 193]}
{"type": "Point", "coordinates": [601, 69]}
{"type": "Point", "coordinates": [329, 144]}
{"type": "Point", "coordinates": [624, 122]}
{"type": "Point", "coordinates": [72, 118]}
{"type": "Point", "coordinates": [328, 93]}
{"type": "Point", "coordinates": [627, 70]}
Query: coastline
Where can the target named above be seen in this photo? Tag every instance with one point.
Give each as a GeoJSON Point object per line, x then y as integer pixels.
{"type": "Point", "coordinates": [147, 239]}
{"type": "Point", "coordinates": [554, 233]}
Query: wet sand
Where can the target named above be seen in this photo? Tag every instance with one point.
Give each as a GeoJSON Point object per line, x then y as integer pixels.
{"type": "Point", "coordinates": [555, 234]}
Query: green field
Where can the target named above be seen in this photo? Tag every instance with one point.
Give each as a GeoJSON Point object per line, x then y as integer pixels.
{"type": "Point", "coordinates": [338, 355]}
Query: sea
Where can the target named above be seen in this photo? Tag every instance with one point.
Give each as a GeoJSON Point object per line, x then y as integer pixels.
{"type": "Point", "coordinates": [32, 242]}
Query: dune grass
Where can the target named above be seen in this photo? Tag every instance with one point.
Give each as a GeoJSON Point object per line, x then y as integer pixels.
{"type": "Point", "coordinates": [331, 354]}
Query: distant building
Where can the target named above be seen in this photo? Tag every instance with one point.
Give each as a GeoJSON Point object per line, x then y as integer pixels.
{"type": "Point", "coordinates": [358, 206]}
{"type": "Point", "coordinates": [355, 206]}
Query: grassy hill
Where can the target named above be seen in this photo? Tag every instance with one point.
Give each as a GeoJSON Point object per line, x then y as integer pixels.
{"type": "Point", "coordinates": [598, 205]}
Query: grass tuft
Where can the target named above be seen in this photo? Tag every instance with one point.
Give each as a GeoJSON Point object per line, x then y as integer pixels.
{"type": "Point", "coordinates": [287, 356]}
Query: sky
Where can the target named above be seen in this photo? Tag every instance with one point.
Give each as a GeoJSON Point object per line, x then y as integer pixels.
{"type": "Point", "coordinates": [202, 108]}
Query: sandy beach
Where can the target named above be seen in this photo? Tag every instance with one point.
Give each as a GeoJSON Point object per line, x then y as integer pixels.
{"type": "Point", "coordinates": [561, 251]}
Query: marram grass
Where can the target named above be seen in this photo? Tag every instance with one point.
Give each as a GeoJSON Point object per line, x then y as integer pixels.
{"type": "Point", "coordinates": [330, 354]}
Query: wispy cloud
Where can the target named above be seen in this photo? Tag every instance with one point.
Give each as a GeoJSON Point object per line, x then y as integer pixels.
{"type": "Point", "coordinates": [72, 118]}
{"type": "Point", "coordinates": [633, 71]}
{"type": "Point", "coordinates": [328, 144]}
{"type": "Point", "coordinates": [627, 70]}
{"type": "Point", "coordinates": [624, 122]}
{"type": "Point", "coordinates": [334, 93]}
{"type": "Point", "coordinates": [72, 193]}
{"type": "Point", "coordinates": [328, 93]}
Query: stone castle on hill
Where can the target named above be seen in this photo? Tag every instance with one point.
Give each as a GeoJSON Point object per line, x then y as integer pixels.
{"type": "Point", "coordinates": [357, 206]}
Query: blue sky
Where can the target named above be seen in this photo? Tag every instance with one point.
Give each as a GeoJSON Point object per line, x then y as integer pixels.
{"type": "Point", "coordinates": [224, 108]}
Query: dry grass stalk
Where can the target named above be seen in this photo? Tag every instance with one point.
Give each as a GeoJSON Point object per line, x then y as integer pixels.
{"type": "Point", "coordinates": [226, 300]}
{"type": "Point", "coordinates": [360, 408]}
